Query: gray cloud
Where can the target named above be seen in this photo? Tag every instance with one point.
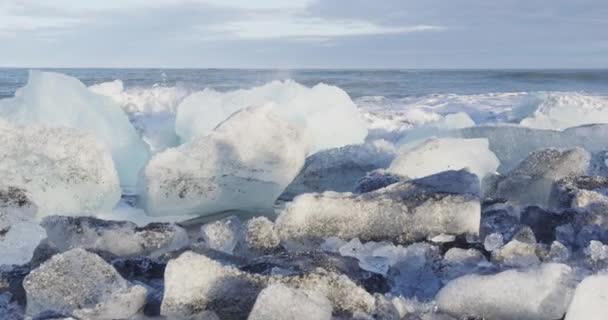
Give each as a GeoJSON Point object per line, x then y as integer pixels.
{"type": "Point", "coordinates": [322, 33]}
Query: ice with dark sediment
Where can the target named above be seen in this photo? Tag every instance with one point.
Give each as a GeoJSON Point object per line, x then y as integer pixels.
{"type": "Point", "coordinates": [82, 284]}
{"type": "Point", "coordinates": [445, 203]}
{"type": "Point", "coordinates": [339, 169]}
{"type": "Point", "coordinates": [63, 171]}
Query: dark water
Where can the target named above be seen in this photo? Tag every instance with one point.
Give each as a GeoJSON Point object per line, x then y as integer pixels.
{"type": "Point", "coordinates": [387, 83]}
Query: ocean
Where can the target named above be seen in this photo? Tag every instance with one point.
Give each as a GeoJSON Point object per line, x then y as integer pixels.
{"type": "Point", "coordinates": [390, 84]}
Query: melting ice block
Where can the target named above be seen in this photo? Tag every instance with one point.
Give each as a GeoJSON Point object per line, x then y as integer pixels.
{"type": "Point", "coordinates": [445, 203]}
{"type": "Point", "coordinates": [326, 112]}
{"type": "Point", "coordinates": [243, 164]}
{"type": "Point", "coordinates": [511, 144]}
{"type": "Point", "coordinates": [339, 169]}
{"type": "Point", "coordinates": [83, 284]}
{"type": "Point", "coordinates": [121, 238]}
{"type": "Point", "coordinates": [194, 283]}
{"type": "Point", "coordinates": [532, 181]}
{"type": "Point", "coordinates": [540, 293]}
{"type": "Point", "coordinates": [57, 100]}
{"type": "Point", "coordinates": [278, 302]}
{"type": "Point", "coordinates": [438, 155]}
{"type": "Point", "coordinates": [63, 171]}
{"type": "Point", "coordinates": [563, 110]}
{"type": "Point", "coordinates": [590, 299]}
{"type": "Point", "coordinates": [437, 128]}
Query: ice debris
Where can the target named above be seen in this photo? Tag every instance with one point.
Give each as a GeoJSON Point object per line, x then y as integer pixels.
{"type": "Point", "coordinates": [278, 302]}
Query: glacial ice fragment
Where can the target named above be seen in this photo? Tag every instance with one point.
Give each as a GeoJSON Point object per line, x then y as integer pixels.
{"type": "Point", "coordinates": [55, 100]}
{"type": "Point", "coordinates": [83, 284]}
{"type": "Point", "coordinates": [243, 164]}
{"type": "Point", "coordinates": [326, 113]}
{"type": "Point", "coordinates": [445, 203]}
{"type": "Point", "coordinates": [539, 293]}
{"type": "Point", "coordinates": [279, 302]}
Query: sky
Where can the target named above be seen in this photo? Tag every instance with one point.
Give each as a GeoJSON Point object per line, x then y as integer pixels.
{"type": "Point", "coordinates": [304, 33]}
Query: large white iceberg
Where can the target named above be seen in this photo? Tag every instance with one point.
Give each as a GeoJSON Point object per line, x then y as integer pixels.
{"type": "Point", "coordinates": [244, 164]}
{"type": "Point", "coordinates": [541, 293]}
{"type": "Point", "coordinates": [326, 112]}
{"type": "Point", "coordinates": [64, 171]}
{"type": "Point", "coordinates": [564, 110]}
{"type": "Point", "coordinates": [438, 155]}
{"type": "Point", "coordinates": [57, 100]}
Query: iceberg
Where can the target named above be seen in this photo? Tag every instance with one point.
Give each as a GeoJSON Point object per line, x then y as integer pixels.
{"type": "Point", "coordinates": [63, 170]}
{"type": "Point", "coordinates": [438, 155]}
{"type": "Point", "coordinates": [445, 203]}
{"type": "Point", "coordinates": [540, 293]}
{"type": "Point", "coordinates": [511, 144]}
{"type": "Point", "coordinates": [55, 100]}
{"type": "Point", "coordinates": [326, 113]}
{"type": "Point", "coordinates": [243, 164]}
{"type": "Point", "coordinates": [195, 283]}
{"type": "Point", "coordinates": [83, 284]}
{"type": "Point", "coordinates": [532, 181]}
{"type": "Point", "coordinates": [279, 302]}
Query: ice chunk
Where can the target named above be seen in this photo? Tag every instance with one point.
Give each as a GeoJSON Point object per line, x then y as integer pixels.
{"type": "Point", "coordinates": [118, 237]}
{"type": "Point", "coordinates": [558, 252]}
{"type": "Point", "coordinates": [564, 110]}
{"type": "Point", "coordinates": [493, 241]}
{"type": "Point", "coordinates": [223, 235]}
{"type": "Point", "coordinates": [57, 100]}
{"type": "Point", "coordinates": [438, 155]}
{"type": "Point", "coordinates": [511, 144]}
{"type": "Point", "coordinates": [63, 171]}
{"type": "Point", "coordinates": [326, 112]}
{"type": "Point", "coordinates": [375, 180]}
{"type": "Point", "coordinates": [339, 169]}
{"type": "Point", "coordinates": [243, 164]}
{"type": "Point", "coordinates": [260, 234]}
{"type": "Point", "coordinates": [10, 310]}
{"type": "Point", "coordinates": [590, 299]}
{"type": "Point", "coordinates": [458, 262]}
{"type": "Point", "coordinates": [445, 203]}
{"type": "Point", "coordinates": [18, 242]}
{"type": "Point", "coordinates": [581, 192]}
{"type": "Point", "coordinates": [151, 110]}
{"type": "Point", "coordinates": [517, 253]}
{"type": "Point", "coordinates": [278, 302]}
{"type": "Point", "coordinates": [194, 283]}
{"type": "Point", "coordinates": [531, 183]}
{"type": "Point", "coordinates": [437, 128]}
{"type": "Point", "coordinates": [541, 293]}
{"type": "Point", "coordinates": [81, 283]}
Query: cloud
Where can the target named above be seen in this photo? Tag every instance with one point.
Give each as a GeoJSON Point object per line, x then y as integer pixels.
{"type": "Point", "coordinates": [308, 27]}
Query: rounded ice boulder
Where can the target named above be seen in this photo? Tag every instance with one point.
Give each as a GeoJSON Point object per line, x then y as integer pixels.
{"type": "Point", "coordinates": [56, 100]}
{"type": "Point", "coordinates": [82, 284]}
{"type": "Point", "coordinates": [325, 112]}
{"type": "Point", "coordinates": [243, 164]}
{"type": "Point", "coordinates": [63, 171]}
